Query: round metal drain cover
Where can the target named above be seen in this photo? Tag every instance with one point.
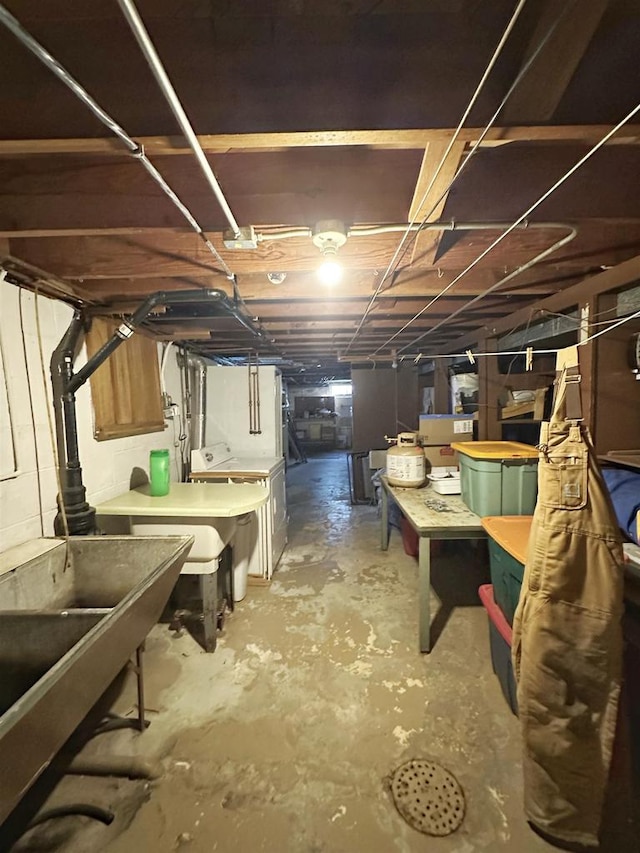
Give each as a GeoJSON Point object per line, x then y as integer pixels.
{"type": "Point", "coordinates": [428, 797]}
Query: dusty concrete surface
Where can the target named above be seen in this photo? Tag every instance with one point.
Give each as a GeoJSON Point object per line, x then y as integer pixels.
{"type": "Point", "coordinates": [284, 738]}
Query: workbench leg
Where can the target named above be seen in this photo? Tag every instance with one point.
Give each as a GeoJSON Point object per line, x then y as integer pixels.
{"type": "Point", "coordinates": [424, 592]}
{"type": "Point", "coordinates": [384, 515]}
{"type": "Point", "coordinates": [209, 590]}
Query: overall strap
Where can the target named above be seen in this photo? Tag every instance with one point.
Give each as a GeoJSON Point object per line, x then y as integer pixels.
{"type": "Point", "coordinates": [567, 404]}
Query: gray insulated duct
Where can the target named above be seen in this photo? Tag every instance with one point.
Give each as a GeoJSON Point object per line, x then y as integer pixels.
{"type": "Point", "coordinates": [197, 368]}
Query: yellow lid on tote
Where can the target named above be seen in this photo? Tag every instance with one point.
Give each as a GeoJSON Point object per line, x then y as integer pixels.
{"type": "Point", "coordinates": [511, 532]}
{"type": "Point", "coordinates": [495, 449]}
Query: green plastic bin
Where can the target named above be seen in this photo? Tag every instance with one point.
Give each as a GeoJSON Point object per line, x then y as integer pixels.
{"type": "Point", "coordinates": [508, 541]}
{"type": "Point", "coordinates": [498, 477]}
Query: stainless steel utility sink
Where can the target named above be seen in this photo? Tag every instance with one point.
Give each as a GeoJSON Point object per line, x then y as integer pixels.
{"type": "Point", "coordinates": [70, 618]}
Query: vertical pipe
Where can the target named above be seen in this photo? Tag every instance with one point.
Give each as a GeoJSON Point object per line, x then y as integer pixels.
{"type": "Point", "coordinates": [198, 382]}
{"type": "Point", "coordinates": [80, 516]}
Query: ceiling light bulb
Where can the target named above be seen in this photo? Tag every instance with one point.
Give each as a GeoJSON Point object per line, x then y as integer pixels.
{"type": "Point", "coordinates": [330, 272]}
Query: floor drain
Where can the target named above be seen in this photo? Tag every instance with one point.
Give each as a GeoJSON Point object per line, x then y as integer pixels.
{"type": "Point", "coordinates": [428, 797]}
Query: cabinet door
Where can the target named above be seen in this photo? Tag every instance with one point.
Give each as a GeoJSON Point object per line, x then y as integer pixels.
{"type": "Point", "coordinates": [278, 500]}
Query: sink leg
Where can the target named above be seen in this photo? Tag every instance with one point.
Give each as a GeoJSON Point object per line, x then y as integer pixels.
{"type": "Point", "coordinates": [232, 592]}
{"type": "Point", "coordinates": [142, 725]}
{"type": "Point", "coordinates": [209, 589]}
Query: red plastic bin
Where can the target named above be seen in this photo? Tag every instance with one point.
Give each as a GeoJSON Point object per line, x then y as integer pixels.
{"type": "Point", "coordinates": [410, 538]}
{"type": "Point", "coordinates": [500, 641]}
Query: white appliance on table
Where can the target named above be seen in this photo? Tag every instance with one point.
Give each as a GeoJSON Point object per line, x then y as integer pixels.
{"type": "Point", "coordinates": [260, 542]}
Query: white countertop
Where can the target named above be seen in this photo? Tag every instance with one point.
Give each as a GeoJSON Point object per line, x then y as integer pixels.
{"type": "Point", "coordinates": [188, 500]}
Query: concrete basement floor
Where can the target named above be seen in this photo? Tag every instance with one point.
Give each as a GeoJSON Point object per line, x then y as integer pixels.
{"type": "Point", "coordinates": [283, 739]}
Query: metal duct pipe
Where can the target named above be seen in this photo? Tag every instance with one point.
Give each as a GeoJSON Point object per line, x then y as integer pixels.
{"type": "Point", "coordinates": [197, 367]}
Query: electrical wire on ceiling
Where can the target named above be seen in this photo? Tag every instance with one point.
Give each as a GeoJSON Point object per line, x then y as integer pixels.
{"type": "Point", "coordinates": [133, 148]}
{"type": "Point", "coordinates": [391, 228]}
{"type": "Point", "coordinates": [499, 239]}
{"type": "Point", "coordinates": [521, 74]}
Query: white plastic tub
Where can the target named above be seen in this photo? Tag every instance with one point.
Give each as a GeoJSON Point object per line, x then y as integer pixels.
{"type": "Point", "coordinates": [445, 481]}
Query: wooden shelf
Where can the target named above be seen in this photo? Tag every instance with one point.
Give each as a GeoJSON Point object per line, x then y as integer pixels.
{"type": "Point", "coordinates": [625, 459]}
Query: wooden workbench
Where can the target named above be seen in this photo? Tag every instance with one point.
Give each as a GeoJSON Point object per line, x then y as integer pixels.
{"type": "Point", "coordinates": [453, 521]}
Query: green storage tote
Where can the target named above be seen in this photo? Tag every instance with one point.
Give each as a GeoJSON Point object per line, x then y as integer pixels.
{"type": "Point", "coordinates": [498, 477]}
{"type": "Point", "coordinates": [508, 542]}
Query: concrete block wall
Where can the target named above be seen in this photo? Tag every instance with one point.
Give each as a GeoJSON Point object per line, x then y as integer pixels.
{"type": "Point", "coordinates": [107, 465]}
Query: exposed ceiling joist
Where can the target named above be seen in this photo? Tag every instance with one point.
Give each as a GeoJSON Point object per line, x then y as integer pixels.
{"type": "Point", "coordinates": [439, 166]}
{"type": "Point", "coordinates": [542, 88]}
{"type": "Point", "coordinates": [228, 143]}
{"type": "Point", "coordinates": [294, 146]}
{"type": "Point", "coordinates": [621, 275]}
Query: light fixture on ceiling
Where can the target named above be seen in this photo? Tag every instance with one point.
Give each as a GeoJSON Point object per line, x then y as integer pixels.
{"type": "Point", "coordinates": [329, 235]}
{"type": "Point", "coordinates": [276, 277]}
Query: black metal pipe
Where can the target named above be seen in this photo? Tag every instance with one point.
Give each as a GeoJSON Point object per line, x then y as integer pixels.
{"type": "Point", "coordinates": [128, 327]}
{"type": "Point", "coordinates": [80, 517]}
{"type": "Point", "coordinates": [66, 349]}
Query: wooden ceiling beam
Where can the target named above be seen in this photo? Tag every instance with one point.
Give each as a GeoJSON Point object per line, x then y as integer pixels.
{"type": "Point", "coordinates": [355, 284]}
{"type": "Point", "coordinates": [430, 195]}
{"type": "Point", "coordinates": [228, 143]}
{"type": "Point", "coordinates": [608, 280]}
{"type": "Point", "coordinates": [299, 335]}
{"type": "Point", "coordinates": [68, 196]}
{"type": "Point", "coordinates": [74, 196]}
{"type": "Point", "coordinates": [337, 310]}
{"type": "Point", "coordinates": [170, 254]}
{"type": "Point", "coordinates": [429, 198]}
{"type": "Point", "coordinates": [543, 86]}
{"type": "Point", "coordinates": [279, 326]}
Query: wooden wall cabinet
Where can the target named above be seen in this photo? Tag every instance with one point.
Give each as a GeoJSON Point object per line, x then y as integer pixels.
{"type": "Point", "coordinates": [125, 389]}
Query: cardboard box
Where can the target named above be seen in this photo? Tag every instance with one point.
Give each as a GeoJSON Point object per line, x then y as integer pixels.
{"type": "Point", "coordinates": [440, 456]}
{"type": "Point", "coordinates": [443, 429]}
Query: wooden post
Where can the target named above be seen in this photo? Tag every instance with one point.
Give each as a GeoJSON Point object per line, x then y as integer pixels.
{"type": "Point", "coordinates": [489, 428]}
{"type": "Point", "coordinates": [441, 389]}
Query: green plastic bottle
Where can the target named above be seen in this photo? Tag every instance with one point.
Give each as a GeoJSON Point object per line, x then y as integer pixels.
{"type": "Point", "coordinates": [159, 473]}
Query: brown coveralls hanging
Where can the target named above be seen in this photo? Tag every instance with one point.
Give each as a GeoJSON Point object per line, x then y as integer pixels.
{"type": "Point", "coordinates": [567, 635]}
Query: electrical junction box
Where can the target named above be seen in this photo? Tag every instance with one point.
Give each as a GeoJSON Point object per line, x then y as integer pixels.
{"type": "Point", "coordinates": [245, 240]}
